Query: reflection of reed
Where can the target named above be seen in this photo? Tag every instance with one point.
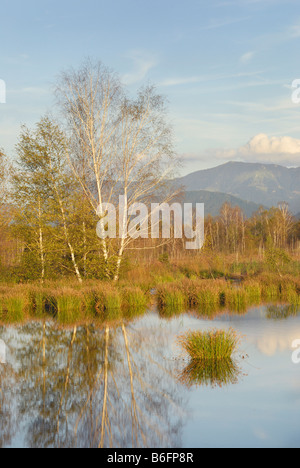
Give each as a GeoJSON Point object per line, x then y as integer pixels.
{"type": "Point", "coordinates": [104, 408]}
{"type": "Point", "coordinates": [282, 312]}
{"type": "Point", "coordinates": [210, 373]}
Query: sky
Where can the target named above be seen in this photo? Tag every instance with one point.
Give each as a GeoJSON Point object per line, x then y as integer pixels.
{"type": "Point", "coordinates": [227, 68]}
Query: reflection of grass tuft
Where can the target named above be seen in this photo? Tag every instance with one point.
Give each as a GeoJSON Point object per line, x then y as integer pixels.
{"type": "Point", "coordinates": [211, 358]}
{"type": "Point", "coordinates": [210, 373]}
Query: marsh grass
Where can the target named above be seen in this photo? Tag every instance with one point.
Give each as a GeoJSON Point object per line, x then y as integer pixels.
{"type": "Point", "coordinates": [178, 288]}
{"type": "Point", "coordinates": [69, 307]}
{"type": "Point", "coordinates": [112, 303]}
{"type": "Point", "coordinates": [236, 299]}
{"type": "Point", "coordinates": [134, 297]}
{"type": "Point", "coordinates": [254, 292]}
{"type": "Point", "coordinates": [171, 297]}
{"type": "Point", "coordinates": [13, 309]}
{"type": "Point", "coordinates": [211, 345]}
{"type": "Point", "coordinates": [134, 302]}
{"type": "Point", "coordinates": [89, 302]}
{"type": "Point", "coordinates": [41, 303]}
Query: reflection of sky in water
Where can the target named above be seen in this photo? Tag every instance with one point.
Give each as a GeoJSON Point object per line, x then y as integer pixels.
{"type": "Point", "coordinates": [2, 352]}
{"type": "Point", "coordinates": [264, 408]}
{"type": "Point", "coordinates": [261, 410]}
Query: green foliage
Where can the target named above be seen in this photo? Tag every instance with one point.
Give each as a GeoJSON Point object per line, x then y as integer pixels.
{"type": "Point", "coordinates": [276, 259]}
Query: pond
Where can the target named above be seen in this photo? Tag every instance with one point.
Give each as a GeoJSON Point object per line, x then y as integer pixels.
{"type": "Point", "coordinates": [132, 386]}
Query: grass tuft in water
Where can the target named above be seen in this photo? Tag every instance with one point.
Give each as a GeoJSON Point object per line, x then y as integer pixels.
{"type": "Point", "coordinates": [212, 345]}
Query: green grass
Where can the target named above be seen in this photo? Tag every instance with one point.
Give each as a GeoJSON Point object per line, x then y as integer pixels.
{"type": "Point", "coordinates": [134, 297]}
{"type": "Point", "coordinates": [69, 308]}
{"type": "Point", "coordinates": [170, 296]}
{"type": "Point", "coordinates": [13, 309]}
{"type": "Point", "coordinates": [134, 302]}
{"type": "Point", "coordinates": [212, 345]}
{"type": "Point", "coordinates": [89, 302]}
{"type": "Point", "coordinates": [178, 288]}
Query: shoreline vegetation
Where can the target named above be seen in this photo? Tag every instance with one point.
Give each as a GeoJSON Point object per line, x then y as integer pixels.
{"type": "Point", "coordinates": [173, 288]}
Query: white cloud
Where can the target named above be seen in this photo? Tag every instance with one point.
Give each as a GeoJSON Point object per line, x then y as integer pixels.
{"type": "Point", "coordinates": [262, 148]}
{"type": "Point", "coordinates": [294, 31]}
{"type": "Point", "coordinates": [262, 144]}
{"type": "Point", "coordinates": [246, 58]}
{"type": "Point", "coordinates": [216, 23]}
{"type": "Point", "coordinates": [143, 62]}
{"type": "Point", "coordinates": [177, 81]}
{"type": "Point", "coordinates": [284, 151]}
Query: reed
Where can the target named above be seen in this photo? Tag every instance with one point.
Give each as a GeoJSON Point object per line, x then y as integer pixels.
{"type": "Point", "coordinates": [236, 299]}
{"type": "Point", "coordinates": [90, 301]}
{"type": "Point", "coordinates": [109, 302]}
{"type": "Point", "coordinates": [134, 297]}
{"type": "Point", "coordinates": [254, 292]}
{"type": "Point", "coordinates": [13, 309]}
{"type": "Point", "coordinates": [178, 287]}
{"type": "Point", "coordinates": [39, 303]}
{"type": "Point", "coordinates": [212, 345]}
{"type": "Point", "coordinates": [69, 307]}
{"type": "Point", "coordinates": [171, 296]}
{"type": "Point", "coordinates": [134, 302]}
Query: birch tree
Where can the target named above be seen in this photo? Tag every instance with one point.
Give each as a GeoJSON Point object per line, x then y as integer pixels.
{"type": "Point", "coordinates": [43, 185]}
{"type": "Point", "coordinates": [120, 146]}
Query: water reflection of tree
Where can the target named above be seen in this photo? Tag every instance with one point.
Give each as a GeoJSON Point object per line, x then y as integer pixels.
{"type": "Point", "coordinates": [8, 416]}
{"type": "Point", "coordinates": [213, 373]}
{"type": "Point", "coordinates": [86, 387]}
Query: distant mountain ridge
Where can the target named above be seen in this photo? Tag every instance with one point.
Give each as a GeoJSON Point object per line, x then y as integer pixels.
{"type": "Point", "coordinates": [262, 184]}
{"type": "Point", "coordinates": [215, 200]}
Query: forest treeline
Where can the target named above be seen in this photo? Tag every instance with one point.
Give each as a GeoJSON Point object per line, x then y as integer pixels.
{"type": "Point", "coordinates": [107, 143]}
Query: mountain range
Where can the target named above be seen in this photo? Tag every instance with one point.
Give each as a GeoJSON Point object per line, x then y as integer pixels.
{"type": "Point", "coordinates": [259, 184]}
{"type": "Point", "coordinates": [214, 201]}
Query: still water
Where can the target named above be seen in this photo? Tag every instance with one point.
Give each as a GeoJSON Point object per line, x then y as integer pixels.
{"type": "Point", "coordinates": [131, 386]}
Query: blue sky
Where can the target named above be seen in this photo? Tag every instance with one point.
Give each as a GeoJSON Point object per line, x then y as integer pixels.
{"type": "Point", "coordinates": [226, 68]}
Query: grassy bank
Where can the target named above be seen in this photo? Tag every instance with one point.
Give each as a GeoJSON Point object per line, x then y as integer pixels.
{"type": "Point", "coordinates": [209, 296]}
{"type": "Point", "coordinates": [73, 303]}
{"type": "Point", "coordinates": [174, 288]}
